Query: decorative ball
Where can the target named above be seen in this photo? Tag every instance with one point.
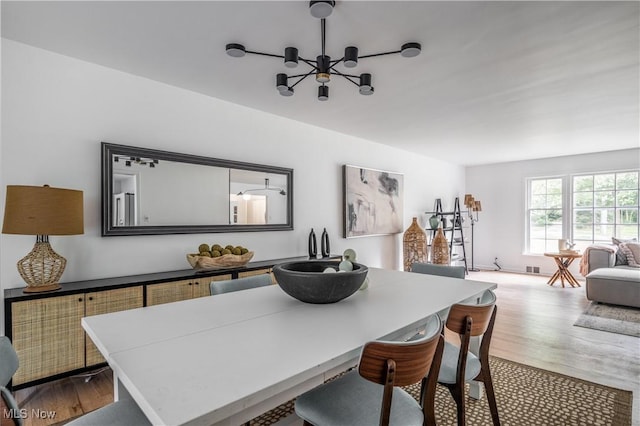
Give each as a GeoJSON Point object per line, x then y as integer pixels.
{"type": "Point", "coordinates": [203, 247]}
{"type": "Point", "coordinates": [329, 270]}
{"type": "Point", "coordinates": [365, 284]}
{"type": "Point", "coordinates": [350, 255]}
{"type": "Point", "coordinates": [345, 265]}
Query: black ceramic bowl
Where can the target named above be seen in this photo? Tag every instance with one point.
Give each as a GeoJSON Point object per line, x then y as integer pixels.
{"type": "Point", "coordinates": [306, 281]}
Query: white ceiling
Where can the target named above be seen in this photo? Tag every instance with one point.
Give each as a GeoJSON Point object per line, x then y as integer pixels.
{"type": "Point", "coordinates": [496, 81]}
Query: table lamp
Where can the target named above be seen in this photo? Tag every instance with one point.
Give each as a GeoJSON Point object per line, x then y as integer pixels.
{"type": "Point", "coordinates": [42, 211]}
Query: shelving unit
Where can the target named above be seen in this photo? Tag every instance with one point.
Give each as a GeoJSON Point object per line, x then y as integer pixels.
{"type": "Point", "coordinates": [453, 230]}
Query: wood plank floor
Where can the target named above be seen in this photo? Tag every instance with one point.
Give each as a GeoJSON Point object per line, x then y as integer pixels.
{"type": "Point", "coordinates": [534, 326]}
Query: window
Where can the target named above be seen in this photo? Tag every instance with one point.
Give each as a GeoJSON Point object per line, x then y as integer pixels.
{"type": "Point", "coordinates": [586, 209]}
{"type": "Point", "coordinates": [545, 214]}
{"type": "Point", "coordinates": [604, 205]}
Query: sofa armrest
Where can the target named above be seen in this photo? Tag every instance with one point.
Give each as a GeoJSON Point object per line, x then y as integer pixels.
{"type": "Point", "coordinates": [601, 258]}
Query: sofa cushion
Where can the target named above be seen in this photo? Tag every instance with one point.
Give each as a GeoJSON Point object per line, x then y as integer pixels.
{"type": "Point", "coordinates": [632, 252]}
{"type": "Point", "coordinates": [617, 286]}
{"type": "Point", "coordinates": [621, 258]}
{"type": "Point", "coordinates": [619, 273]}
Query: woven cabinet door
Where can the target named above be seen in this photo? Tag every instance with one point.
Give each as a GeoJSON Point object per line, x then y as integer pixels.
{"type": "Point", "coordinates": [257, 272]}
{"type": "Point", "coordinates": [168, 292]}
{"type": "Point", "coordinates": [104, 302]}
{"type": "Point", "coordinates": [47, 336]}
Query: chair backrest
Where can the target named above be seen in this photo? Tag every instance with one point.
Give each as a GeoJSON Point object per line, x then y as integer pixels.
{"type": "Point", "coordinates": [480, 315]}
{"type": "Point", "coordinates": [442, 270]}
{"type": "Point", "coordinates": [8, 360]}
{"type": "Point", "coordinates": [228, 286]}
{"type": "Point", "coordinates": [400, 363]}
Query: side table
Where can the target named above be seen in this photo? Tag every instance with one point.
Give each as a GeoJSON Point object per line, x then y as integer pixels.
{"type": "Point", "coordinates": [563, 260]}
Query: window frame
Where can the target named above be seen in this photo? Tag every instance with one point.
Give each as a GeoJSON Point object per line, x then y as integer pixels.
{"type": "Point", "coordinates": [528, 187]}
{"type": "Point", "coordinates": [568, 205]}
{"type": "Point", "coordinates": [615, 206]}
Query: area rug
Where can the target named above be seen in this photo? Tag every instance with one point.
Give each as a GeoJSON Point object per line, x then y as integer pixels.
{"type": "Point", "coordinates": [525, 396]}
{"type": "Point", "coordinates": [611, 318]}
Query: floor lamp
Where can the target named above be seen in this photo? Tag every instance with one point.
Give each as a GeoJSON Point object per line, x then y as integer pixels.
{"type": "Point", "coordinates": [473, 205]}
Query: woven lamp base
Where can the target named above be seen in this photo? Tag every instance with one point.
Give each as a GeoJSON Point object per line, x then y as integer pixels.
{"type": "Point", "coordinates": [42, 268]}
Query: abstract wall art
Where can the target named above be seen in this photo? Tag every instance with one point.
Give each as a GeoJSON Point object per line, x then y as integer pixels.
{"type": "Point", "coordinates": [373, 202]}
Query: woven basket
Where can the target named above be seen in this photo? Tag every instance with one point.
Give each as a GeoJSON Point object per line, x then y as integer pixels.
{"type": "Point", "coordinates": [221, 262]}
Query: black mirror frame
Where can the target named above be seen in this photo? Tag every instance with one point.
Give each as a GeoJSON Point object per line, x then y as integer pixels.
{"type": "Point", "coordinates": [108, 230]}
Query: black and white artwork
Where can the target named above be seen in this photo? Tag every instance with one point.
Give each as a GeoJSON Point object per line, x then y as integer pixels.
{"type": "Point", "coordinates": [373, 201]}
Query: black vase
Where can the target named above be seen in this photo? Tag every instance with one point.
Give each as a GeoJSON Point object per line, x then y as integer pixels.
{"type": "Point", "coordinates": [313, 245]}
{"type": "Point", "coordinates": [324, 243]}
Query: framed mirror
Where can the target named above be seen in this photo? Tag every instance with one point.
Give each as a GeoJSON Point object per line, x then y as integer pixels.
{"type": "Point", "coordinates": [152, 192]}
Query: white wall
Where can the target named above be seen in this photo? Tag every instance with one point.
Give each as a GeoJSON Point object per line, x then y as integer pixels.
{"type": "Point", "coordinates": [56, 110]}
{"type": "Point", "coordinates": [501, 188]}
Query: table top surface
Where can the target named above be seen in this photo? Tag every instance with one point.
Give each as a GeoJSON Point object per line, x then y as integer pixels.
{"type": "Point", "coordinates": [558, 254]}
{"type": "Point", "coordinates": [201, 361]}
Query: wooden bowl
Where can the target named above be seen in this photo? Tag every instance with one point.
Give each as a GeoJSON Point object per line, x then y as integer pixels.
{"type": "Point", "coordinates": [220, 262]}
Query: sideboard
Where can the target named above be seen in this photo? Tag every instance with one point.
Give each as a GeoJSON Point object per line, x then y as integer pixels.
{"type": "Point", "coordinates": [45, 327]}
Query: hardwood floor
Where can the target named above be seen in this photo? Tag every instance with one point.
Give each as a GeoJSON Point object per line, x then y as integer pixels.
{"type": "Point", "coordinates": [534, 326]}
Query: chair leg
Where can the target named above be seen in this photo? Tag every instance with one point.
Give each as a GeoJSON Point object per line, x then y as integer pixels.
{"type": "Point", "coordinates": [457, 392]}
{"type": "Point", "coordinates": [491, 396]}
{"type": "Point", "coordinates": [428, 398]}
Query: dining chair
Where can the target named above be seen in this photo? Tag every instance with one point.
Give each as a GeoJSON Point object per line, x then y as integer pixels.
{"type": "Point", "coordinates": [245, 283]}
{"type": "Point", "coordinates": [372, 394]}
{"type": "Point", "coordinates": [442, 270]}
{"type": "Point", "coordinates": [124, 412]}
{"type": "Point", "coordinates": [8, 367]}
{"type": "Point", "coordinates": [459, 365]}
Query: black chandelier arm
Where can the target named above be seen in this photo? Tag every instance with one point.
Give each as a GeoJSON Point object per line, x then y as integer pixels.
{"type": "Point", "coordinates": [300, 75]}
{"type": "Point", "coordinates": [264, 54]}
{"type": "Point", "coordinates": [305, 76]}
{"type": "Point", "coordinates": [348, 77]}
{"type": "Point", "coordinates": [379, 54]}
{"type": "Point", "coordinates": [309, 62]}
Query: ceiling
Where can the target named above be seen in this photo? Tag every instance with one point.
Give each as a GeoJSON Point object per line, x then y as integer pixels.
{"type": "Point", "coordinates": [496, 81]}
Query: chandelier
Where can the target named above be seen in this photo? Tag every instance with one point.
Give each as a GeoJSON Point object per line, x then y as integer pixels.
{"type": "Point", "coordinates": [266, 188]}
{"type": "Point", "coordinates": [323, 67]}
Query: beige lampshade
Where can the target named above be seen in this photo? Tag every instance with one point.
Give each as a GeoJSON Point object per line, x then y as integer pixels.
{"type": "Point", "coordinates": [477, 206]}
{"type": "Point", "coordinates": [42, 210]}
{"type": "Point", "coordinates": [468, 200]}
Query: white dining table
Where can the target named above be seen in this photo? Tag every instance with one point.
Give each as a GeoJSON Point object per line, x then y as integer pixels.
{"type": "Point", "coordinates": [228, 358]}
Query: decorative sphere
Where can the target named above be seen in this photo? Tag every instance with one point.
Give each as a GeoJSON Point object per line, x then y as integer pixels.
{"type": "Point", "coordinates": [345, 265]}
{"type": "Point", "coordinates": [329, 270]}
{"type": "Point", "coordinates": [350, 255]}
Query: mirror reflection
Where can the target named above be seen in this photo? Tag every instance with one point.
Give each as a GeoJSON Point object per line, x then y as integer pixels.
{"type": "Point", "coordinates": [156, 192]}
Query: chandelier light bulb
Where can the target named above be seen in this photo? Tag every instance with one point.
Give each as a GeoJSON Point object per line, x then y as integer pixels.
{"type": "Point", "coordinates": [291, 57]}
{"type": "Point", "coordinates": [409, 50]}
{"type": "Point", "coordinates": [323, 93]}
{"type": "Point", "coordinates": [365, 84]}
{"type": "Point", "coordinates": [321, 9]}
{"type": "Point", "coordinates": [236, 50]}
{"type": "Point", "coordinates": [351, 57]}
{"type": "Point", "coordinates": [287, 92]}
{"type": "Point", "coordinates": [281, 82]}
